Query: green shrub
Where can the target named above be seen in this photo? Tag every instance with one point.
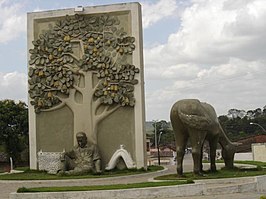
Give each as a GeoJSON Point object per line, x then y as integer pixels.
{"type": "Point", "coordinates": [103, 187]}
{"type": "Point", "coordinates": [259, 168]}
{"type": "Point", "coordinates": [190, 181]}
{"type": "Point", "coordinates": [22, 190]}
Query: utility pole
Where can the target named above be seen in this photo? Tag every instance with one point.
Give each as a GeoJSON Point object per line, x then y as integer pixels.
{"type": "Point", "coordinates": [155, 134]}
{"type": "Point", "coordinates": [157, 140]}
{"type": "Point", "coordinates": [156, 144]}
{"type": "Point", "coordinates": [158, 148]}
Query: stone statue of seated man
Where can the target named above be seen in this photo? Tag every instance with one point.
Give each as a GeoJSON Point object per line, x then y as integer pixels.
{"type": "Point", "coordinates": [83, 158]}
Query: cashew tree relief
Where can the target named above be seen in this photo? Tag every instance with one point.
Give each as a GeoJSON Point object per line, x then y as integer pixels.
{"type": "Point", "coordinates": [83, 62]}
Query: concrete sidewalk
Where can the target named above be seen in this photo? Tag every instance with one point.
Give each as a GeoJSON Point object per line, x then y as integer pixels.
{"type": "Point", "coordinates": [225, 196]}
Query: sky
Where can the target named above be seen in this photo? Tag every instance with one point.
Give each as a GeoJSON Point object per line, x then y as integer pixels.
{"type": "Point", "coordinates": [210, 50]}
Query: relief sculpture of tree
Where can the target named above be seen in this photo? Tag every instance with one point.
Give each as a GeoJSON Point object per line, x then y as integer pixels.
{"type": "Point", "coordinates": [83, 62]}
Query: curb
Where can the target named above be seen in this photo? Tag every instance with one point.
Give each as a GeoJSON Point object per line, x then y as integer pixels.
{"type": "Point", "coordinates": [197, 189]}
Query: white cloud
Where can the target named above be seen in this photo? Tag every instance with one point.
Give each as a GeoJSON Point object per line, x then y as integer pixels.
{"type": "Point", "coordinates": [242, 89]}
{"type": "Point", "coordinates": [152, 13]}
{"type": "Point", "coordinates": [13, 86]}
{"type": "Point", "coordinates": [217, 55]}
{"type": "Point", "coordinates": [210, 33]}
{"type": "Point", "coordinates": [12, 22]}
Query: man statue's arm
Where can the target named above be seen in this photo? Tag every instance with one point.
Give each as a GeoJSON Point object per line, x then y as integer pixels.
{"type": "Point", "coordinates": [97, 159]}
{"type": "Point", "coordinates": [70, 154]}
{"type": "Point", "coordinates": [96, 153]}
{"type": "Point", "coordinates": [97, 164]}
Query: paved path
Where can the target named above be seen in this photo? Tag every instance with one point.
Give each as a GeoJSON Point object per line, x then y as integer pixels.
{"type": "Point", "coordinates": [11, 186]}
{"type": "Point", "coordinates": [224, 196]}
{"type": "Point", "coordinates": [7, 187]}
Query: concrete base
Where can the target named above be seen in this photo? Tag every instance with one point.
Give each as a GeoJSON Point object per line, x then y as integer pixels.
{"type": "Point", "coordinates": [220, 186]}
{"type": "Point", "coordinates": [153, 192]}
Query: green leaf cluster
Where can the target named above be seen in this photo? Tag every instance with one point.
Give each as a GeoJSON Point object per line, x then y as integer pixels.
{"type": "Point", "coordinates": [239, 127]}
{"type": "Point", "coordinates": [106, 51]}
{"type": "Point", "coordinates": [13, 128]}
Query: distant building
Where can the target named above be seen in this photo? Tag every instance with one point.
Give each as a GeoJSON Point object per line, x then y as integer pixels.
{"type": "Point", "coordinates": [247, 142]}
{"type": "Point", "coordinates": [166, 156]}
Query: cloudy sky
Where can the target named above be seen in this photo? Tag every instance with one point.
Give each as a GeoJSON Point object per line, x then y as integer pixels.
{"type": "Point", "coordinates": [213, 50]}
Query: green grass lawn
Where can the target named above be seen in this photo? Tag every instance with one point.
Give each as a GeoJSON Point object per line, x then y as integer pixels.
{"type": "Point", "coordinates": [251, 162]}
{"type": "Point", "coordinates": [219, 174]}
{"type": "Point", "coordinates": [223, 173]}
{"type": "Point", "coordinates": [104, 187]}
{"type": "Point", "coordinates": [41, 175]}
{"type": "Point", "coordinates": [257, 163]}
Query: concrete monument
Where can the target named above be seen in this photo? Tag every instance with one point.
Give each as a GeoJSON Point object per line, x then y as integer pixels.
{"type": "Point", "coordinates": [198, 121]}
{"type": "Point", "coordinates": [86, 75]}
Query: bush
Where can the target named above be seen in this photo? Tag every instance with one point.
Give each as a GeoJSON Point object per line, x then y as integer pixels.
{"type": "Point", "coordinates": [259, 168]}
{"type": "Point", "coordinates": [22, 190]}
{"type": "Point", "coordinates": [190, 181]}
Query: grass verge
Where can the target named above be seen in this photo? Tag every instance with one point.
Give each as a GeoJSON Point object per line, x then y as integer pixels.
{"type": "Point", "coordinates": [257, 163]}
{"type": "Point", "coordinates": [41, 175]}
{"type": "Point", "coordinates": [223, 173]}
{"type": "Point", "coordinates": [251, 162]}
{"type": "Point", "coordinates": [104, 187]}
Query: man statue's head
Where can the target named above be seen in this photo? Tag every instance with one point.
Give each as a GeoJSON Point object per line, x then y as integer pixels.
{"type": "Point", "coordinates": [81, 139]}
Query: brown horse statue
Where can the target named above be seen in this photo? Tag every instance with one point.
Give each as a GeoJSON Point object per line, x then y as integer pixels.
{"type": "Point", "coordinates": [198, 121]}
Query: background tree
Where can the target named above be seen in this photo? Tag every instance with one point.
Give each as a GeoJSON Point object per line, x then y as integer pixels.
{"type": "Point", "coordinates": [83, 62]}
{"type": "Point", "coordinates": [13, 127]}
{"type": "Point", "coordinates": [167, 137]}
{"type": "Point", "coordinates": [239, 127]}
{"type": "Point", "coordinates": [264, 110]}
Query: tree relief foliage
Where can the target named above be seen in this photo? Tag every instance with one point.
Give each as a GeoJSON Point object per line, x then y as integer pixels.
{"type": "Point", "coordinates": [56, 70]}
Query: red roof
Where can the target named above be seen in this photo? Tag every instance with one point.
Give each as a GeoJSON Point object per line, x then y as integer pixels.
{"type": "Point", "coordinates": [246, 142]}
